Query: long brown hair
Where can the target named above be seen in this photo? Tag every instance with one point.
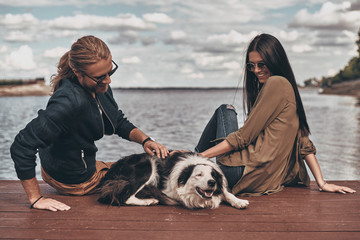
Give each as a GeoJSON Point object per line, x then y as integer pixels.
{"type": "Point", "coordinates": [276, 60]}
{"type": "Point", "coordinates": [85, 51]}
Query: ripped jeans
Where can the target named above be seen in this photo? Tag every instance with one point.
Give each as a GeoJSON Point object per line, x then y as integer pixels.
{"type": "Point", "coordinates": [221, 124]}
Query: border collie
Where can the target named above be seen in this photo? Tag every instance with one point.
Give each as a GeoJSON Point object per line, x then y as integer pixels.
{"type": "Point", "coordinates": [182, 178]}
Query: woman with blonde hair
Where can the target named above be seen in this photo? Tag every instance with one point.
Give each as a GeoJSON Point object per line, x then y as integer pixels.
{"type": "Point", "coordinates": [80, 111]}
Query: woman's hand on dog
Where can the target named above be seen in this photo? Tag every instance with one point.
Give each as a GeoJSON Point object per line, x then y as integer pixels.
{"type": "Point", "coordinates": [151, 147]}
{"type": "Point", "coordinates": [51, 204]}
{"type": "Point", "coordinates": [178, 151]}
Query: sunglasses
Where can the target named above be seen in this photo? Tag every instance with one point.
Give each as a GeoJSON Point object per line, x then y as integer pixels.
{"type": "Point", "coordinates": [252, 66]}
{"type": "Point", "coordinates": [100, 79]}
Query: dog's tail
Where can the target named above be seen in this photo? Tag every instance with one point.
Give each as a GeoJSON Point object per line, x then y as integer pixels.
{"type": "Point", "coordinates": [114, 192]}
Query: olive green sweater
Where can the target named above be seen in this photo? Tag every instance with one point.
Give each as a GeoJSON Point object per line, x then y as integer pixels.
{"type": "Point", "coordinates": [269, 144]}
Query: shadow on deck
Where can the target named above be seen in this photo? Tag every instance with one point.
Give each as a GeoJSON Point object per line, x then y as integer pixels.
{"type": "Point", "coordinates": [294, 213]}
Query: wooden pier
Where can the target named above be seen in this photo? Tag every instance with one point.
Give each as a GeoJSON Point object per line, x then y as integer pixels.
{"type": "Point", "coordinates": [294, 213]}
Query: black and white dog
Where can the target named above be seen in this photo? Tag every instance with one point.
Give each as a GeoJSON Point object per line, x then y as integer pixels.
{"type": "Point", "coordinates": [183, 178]}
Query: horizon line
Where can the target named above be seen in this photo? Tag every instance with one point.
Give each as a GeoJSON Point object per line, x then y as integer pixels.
{"type": "Point", "coordinates": [176, 88]}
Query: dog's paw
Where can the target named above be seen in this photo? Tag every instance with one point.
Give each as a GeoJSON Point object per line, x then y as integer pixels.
{"type": "Point", "coordinates": [141, 202]}
{"type": "Point", "coordinates": [150, 201]}
{"type": "Point", "coordinates": [240, 203]}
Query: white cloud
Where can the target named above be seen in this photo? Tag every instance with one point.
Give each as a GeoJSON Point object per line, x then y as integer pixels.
{"type": "Point", "coordinates": [186, 70]}
{"type": "Point", "coordinates": [139, 75]}
{"type": "Point", "coordinates": [330, 16]}
{"type": "Point", "coordinates": [158, 18]}
{"type": "Point", "coordinates": [231, 38]}
{"type": "Point", "coordinates": [21, 59]}
{"type": "Point", "coordinates": [34, 3]}
{"type": "Point", "coordinates": [18, 21]}
{"type": "Point", "coordinates": [18, 36]}
{"type": "Point", "coordinates": [337, 52]}
{"type": "Point", "coordinates": [331, 72]}
{"type": "Point", "coordinates": [167, 37]}
{"type": "Point", "coordinates": [119, 22]}
{"type": "Point", "coordinates": [301, 48]}
{"type": "Point", "coordinates": [208, 60]}
{"type": "Point", "coordinates": [353, 52]}
{"type": "Point", "coordinates": [55, 52]}
{"type": "Point", "coordinates": [177, 35]}
{"type": "Point", "coordinates": [233, 65]}
{"type": "Point", "coordinates": [198, 75]}
{"type": "Point", "coordinates": [230, 42]}
{"type": "Point", "coordinates": [63, 33]}
{"type": "Point", "coordinates": [289, 36]}
{"type": "Point", "coordinates": [352, 36]}
{"type": "Point", "coordinates": [3, 49]}
{"type": "Point", "coordinates": [128, 36]}
{"type": "Point", "coordinates": [131, 60]}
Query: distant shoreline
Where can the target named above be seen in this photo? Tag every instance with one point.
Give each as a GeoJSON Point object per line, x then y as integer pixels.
{"type": "Point", "coordinates": [174, 88]}
{"type": "Point", "coordinates": [349, 88]}
{"type": "Point", "coordinates": [35, 89]}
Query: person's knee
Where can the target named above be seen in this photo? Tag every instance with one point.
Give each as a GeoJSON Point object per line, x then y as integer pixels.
{"type": "Point", "coordinates": [228, 106]}
{"type": "Point", "coordinates": [224, 107]}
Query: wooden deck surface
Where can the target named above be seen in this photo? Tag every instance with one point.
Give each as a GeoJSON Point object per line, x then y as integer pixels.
{"type": "Point", "coordinates": [294, 213]}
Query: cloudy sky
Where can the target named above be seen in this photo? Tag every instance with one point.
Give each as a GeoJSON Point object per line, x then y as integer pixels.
{"type": "Point", "coordinates": [177, 43]}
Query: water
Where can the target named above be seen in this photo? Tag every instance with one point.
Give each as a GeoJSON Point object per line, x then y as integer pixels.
{"type": "Point", "coordinates": [176, 118]}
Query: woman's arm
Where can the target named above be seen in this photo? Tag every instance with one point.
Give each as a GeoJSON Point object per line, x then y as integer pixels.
{"type": "Point", "coordinates": [138, 136]}
{"type": "Point", "coordinates": [31, 187]}
{"type": "Point", "coordinates": [221, 148]}
{"type": "Point", "coordinates": [314, 166]}
{"type": "Point", "coordinates": [270, 102]}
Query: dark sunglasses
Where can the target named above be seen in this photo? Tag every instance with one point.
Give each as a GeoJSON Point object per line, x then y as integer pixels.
{"type": "Point", "coordinates": [100, 79]}
{"type": "Point", "coordinates": [251, 66]}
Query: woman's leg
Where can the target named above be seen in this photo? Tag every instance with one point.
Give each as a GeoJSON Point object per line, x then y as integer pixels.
{"type": "Point", "coordinates": [221, 124]}
{"type": "Point", "coordinates": [88, 187]}
{"type": "Point", "coordinates": [232, 174]}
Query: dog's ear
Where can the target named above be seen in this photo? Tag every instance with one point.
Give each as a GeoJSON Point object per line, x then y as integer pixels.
{"type": "Point", "coordinates": [218, 177]}
{"type": "Point", "coordinates": [185, 175]}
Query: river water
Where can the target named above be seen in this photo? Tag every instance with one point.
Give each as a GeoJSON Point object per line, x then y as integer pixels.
{"type": "Point", "coordinates": [176, 119]}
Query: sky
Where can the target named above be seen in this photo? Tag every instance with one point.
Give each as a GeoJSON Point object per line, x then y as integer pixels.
{"type": "Point", "coordinates": [177, 43]}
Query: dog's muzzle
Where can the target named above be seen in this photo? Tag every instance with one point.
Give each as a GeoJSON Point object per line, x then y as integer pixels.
{"type": "Point", "coordinates": [207, 193]}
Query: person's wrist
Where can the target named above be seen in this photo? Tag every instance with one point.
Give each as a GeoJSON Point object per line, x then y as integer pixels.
{"type": "Point", "coordinates": [322, 185]}
{"type": "Point", "coordinates": [147, 140]}
{"type": "Point", "coordinates": [201, 154]}
{"type": "Point", "coordinates": [37, 200]}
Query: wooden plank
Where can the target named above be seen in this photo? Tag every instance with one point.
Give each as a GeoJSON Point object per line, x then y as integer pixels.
{"type": "Point", "coordinates": [293, 213]}
{"type": "Point", "coordinates": [173, 235]}
{"type": "Point", "coordinates": [215, 226]}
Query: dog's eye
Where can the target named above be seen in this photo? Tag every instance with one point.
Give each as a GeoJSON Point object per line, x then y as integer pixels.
{"type": "Point", "coordinates": [199, 175]}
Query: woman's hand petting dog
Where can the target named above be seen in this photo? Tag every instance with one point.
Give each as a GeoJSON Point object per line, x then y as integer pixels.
{"type": "Point", "coordinates": [151, 147]}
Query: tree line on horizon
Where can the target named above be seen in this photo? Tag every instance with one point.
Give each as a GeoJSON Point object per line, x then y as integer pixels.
{"type": "Point", "coordinates": [350, 72]}
{"type": "Point", "coordinates": [16, 82]}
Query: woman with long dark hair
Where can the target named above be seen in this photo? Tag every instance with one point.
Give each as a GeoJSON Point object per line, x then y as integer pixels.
{"type": "Point", "coordinates": [267, 153]}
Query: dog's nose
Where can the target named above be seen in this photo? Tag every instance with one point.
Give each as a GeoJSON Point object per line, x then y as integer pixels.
{"type": "Point", "coordinates": [211, 183]}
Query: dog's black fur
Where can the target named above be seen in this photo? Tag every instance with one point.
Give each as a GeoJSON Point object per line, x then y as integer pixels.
{"type": "Point", "coordinates": [182, 178]}
{"type": "Point", "coordinates": [130, 173]}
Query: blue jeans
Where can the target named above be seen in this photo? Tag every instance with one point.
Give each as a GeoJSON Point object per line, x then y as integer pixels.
{"type": "Point", "coordinates": [221, 124]}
